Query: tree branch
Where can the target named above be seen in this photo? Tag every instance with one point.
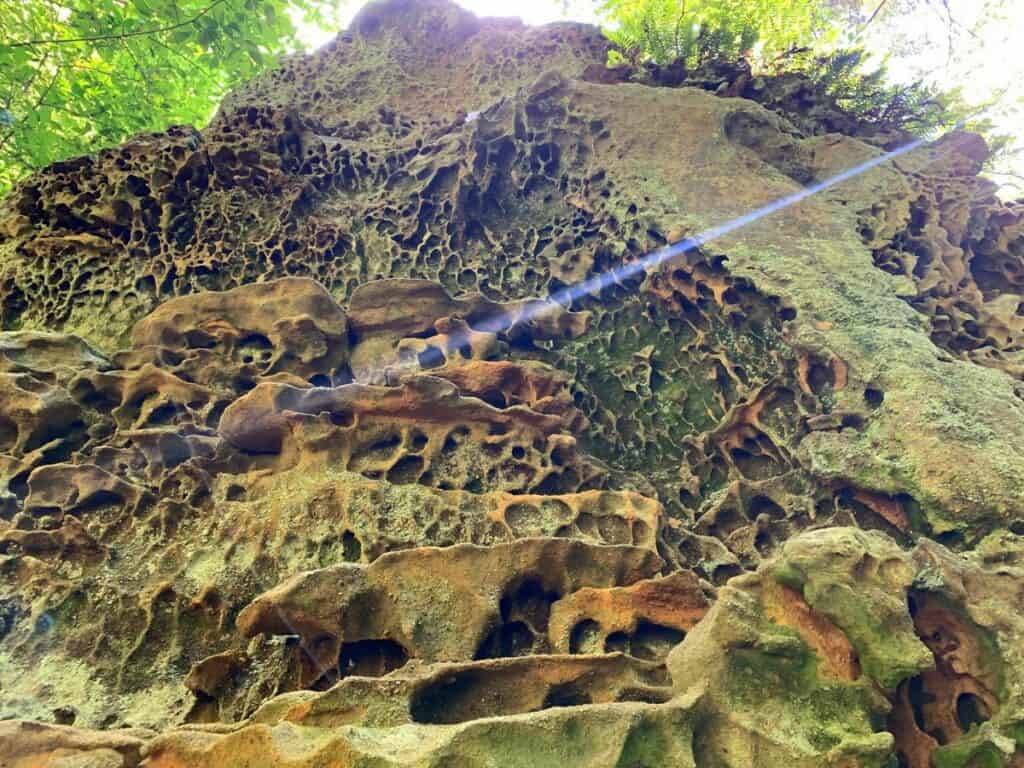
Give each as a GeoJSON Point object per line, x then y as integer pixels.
{"type": "Point", "coordinates": [872, 17]}
{"type": "Point", "coordinates": [118, 35]}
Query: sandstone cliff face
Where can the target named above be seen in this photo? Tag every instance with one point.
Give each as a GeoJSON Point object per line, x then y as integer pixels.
{"type": "Point", "coordinates": [303, 467]}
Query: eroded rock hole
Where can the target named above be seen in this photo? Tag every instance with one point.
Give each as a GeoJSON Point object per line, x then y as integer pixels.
{"type": "Point", "coordinates": [406, 470]}
{"type": "Point", "coordinates": [431, 357]}
{"type": "Point", "coordinates": [8, 434]}
{"type": "Point", "coordinates": [351, 547]}
{"type": "Point", "coordinates": [454, 700]}
{"type": "Point", "coordinates": [370, 658]}
{"type": "Point", "coordinates": [937, 707]}
{"type": "Point", "coordinates": [524, 611]}
{"type": "Point", "coordinates": [585, 637]}
{"type": "Point", "coordinates": [566, 695]}
{"type": "Point", "coordinates": [874, 397]}
{"type": "Point", "coordinates": [343, 418]}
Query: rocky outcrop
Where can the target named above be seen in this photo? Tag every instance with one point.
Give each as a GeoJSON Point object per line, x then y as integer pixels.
{"type": "Point", "coordinates": [312, 454]}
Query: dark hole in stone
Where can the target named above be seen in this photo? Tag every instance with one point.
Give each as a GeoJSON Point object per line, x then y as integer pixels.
{"type": "Point", "coordinates": [554, 483]}
{"type": "Point", "coordinates": [616, 642]}
{"type": "Point", "coordinates": [97, 400]}
{"type": "Point", "coordinates": [560, 456]}
{"type": "Point", "coordinates": [763, 505]}
{"type": "Point", "coordinates": [243, 384]}
{"type": "Point", "coordinates": [213, 417]}
{"type": "Point", "coordinates": [652, 642]}
{"type": "Point", "coordinates": [851, 421]}
{"type": "Point", "coordinates": [197, 339]}
{"type": "Point", "coordinates": [723, 573]}
{"type": "Point", "coordinates": [64, 716]}
{"type": "Point", "coordinates": [8, 434]}
{"type": "Point", "coordinates": [18, 485]}
{"type": "Point", "coordinates": [873, 397]}
{"type": "Point", "coordinates": [342, 418]}
{"type": "Point", "coordinates": [513, 639]}
{"type": "Point", "coordinates": [819, 377]}
{"type": "Point", "coordinates": [431, 357]}
{"type": "Point", "coordinates": [371, 658]}
{"type": "Point", "coordinates": [918, 698]}
{"type": "Point", "coordinates": [532, 602]}
{"type": "Point", "coordinates": [386, 444]}
{"type": "Point", "coordinates": [585, 637]}
{"type": "Point", "coordinates": [950, 538]}
{"type": "Point", "coordinates": [162, 414]}
{"type": "Point", "coordinates": [753, 466]}
{"type": "Point", "coordinates": [970, 711]}
{"type": "Point", "coordinates": [351, 547]}
{"type": "Point", "coordinates": [495, 398]}
{"type": "Point", "coordinates": [448, 701]}
{"type": "Point", "coordinates": [406, 470]}
{"type": "Point", "coordinates": [99, 500]}
{"type": "Point", "coordinates": [417, 441]}
{"type": "Point", "coordinates": [10, 612]}
{"type": "Point", "coordinates": [565, 695]}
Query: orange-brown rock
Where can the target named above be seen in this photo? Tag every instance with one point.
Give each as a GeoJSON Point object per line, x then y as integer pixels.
{"type": "Point", "coordinates": [404, 324]}
{"type": "Point", "coordinates": [35, 415]}
{"type": "Point", "coordinates": [440, 604]}
{"type": "Point", "coordinates": [44, 355]}
{"type": "Point", "coordinates": [503, 383]}
{"type": "Point", "coordinates": [646, 619]}
{"type": "Point", "coordinates": [290, 326]}
{"type": "Point", "coordinates": [423, 432]}
{"type": "Point", "coordinates": [26, 744]}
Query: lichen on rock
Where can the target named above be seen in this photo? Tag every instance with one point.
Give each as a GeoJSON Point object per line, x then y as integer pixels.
{"type": "Point", "coordinates": [308, 457]}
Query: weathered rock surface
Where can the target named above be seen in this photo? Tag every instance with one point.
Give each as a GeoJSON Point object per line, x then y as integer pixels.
{"type": "Point", "coordinates": [302, 463]}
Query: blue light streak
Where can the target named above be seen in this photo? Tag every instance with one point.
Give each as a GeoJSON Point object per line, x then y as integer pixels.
{"type": "Point", "coordinates": [596, 283]}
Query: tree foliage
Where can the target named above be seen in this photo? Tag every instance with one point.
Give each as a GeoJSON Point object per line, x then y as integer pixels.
{"type": "Point", "coordinates": [868, 92]}
{"type": "Point", "coordinates": [77, 75]}
{"type": "Point", "coordinates": [936, 43]}
{"type": "Point", "coordinates": [971, 43]}
{"type": "Point", "coordinates": [699, 30]}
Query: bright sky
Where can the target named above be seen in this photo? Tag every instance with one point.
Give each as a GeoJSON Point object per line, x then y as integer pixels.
{"type": "Point", "coordinates": [991, 62]}
{"type": "Point", "coordinates": [530, 11]}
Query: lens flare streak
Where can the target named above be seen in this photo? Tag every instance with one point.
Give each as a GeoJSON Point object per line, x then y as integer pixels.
{"type": "Point", "coordinates": [603, 280]}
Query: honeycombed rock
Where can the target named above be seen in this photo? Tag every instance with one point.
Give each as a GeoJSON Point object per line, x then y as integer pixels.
{"type": "Point", "coordinates": [320, 445]}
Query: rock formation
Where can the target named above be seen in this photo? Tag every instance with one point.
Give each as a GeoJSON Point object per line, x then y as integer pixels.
{"type": "Point", "coordinates": [303, 465]}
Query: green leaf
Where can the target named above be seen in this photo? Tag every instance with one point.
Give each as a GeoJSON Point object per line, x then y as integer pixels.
{"type": "Point", "coordinates": [100, 92]}
{"type": "Point", "coordinates": [144, 8]}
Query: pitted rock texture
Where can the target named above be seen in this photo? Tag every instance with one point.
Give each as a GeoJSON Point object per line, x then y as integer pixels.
{"type": "Point", "coordinates": [304, 464]}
